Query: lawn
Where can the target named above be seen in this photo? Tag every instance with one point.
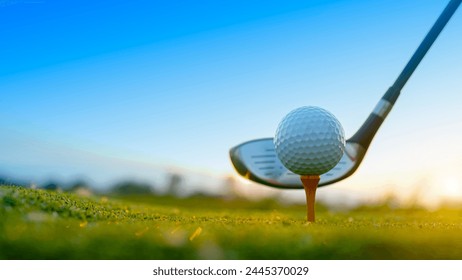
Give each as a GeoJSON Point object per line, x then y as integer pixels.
{"type": "Point", "coordinates": [39, 224]}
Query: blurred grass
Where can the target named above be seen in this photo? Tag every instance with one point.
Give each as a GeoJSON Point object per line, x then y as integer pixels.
{"type": "Point", "coordinates": [39, 224]}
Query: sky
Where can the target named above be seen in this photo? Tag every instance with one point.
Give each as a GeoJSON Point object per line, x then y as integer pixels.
{"type": "Point", "coordinates": [114, 89]}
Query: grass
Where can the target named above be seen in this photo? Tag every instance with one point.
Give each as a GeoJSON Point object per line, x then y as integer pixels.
{"type": "Point", "coordinates": [39, 224]}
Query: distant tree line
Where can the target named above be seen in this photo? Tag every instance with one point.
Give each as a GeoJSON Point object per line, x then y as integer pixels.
{"type": "Point", "coordinates": [174, 185]}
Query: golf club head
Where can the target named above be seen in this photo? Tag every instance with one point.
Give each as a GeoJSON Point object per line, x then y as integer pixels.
{"type": "Point", "coordinates": [257, 160]}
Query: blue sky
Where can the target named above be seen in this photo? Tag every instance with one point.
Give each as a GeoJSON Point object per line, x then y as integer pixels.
{"type": "Point", "coordinates": [102, 88]}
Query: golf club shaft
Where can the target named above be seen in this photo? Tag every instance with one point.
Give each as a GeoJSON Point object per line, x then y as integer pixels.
{"type": "Point", "coordinates": [367, 131]}
{"type": "Point", "coordinates": [393, 94]}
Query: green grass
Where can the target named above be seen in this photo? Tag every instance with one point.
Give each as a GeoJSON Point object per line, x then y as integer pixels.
{"type": "Point", "coordinates": [38, 224]}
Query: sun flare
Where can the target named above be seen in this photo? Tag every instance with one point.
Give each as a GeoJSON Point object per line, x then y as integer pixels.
{"type": "Point", "coordinates": [451, 188]}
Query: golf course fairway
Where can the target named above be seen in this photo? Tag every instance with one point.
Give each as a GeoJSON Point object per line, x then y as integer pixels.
{"type": "Point", "coordinates": [40, 224]}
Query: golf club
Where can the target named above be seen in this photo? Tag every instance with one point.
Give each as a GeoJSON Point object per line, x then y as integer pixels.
{"type": "Point", "coordinates": [256, 160]}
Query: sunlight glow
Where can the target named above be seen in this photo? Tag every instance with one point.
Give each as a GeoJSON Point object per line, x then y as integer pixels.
{"type": "Point", "coordinates": [451, 188]}
{"type": "Point", "coordinates": [442, 189]}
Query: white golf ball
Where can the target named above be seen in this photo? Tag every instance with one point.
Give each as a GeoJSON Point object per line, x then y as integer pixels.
{"type": "Point", "coordinates": [309, 141]}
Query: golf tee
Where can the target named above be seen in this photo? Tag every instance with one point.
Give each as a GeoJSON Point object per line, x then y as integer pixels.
{"type": "Point", "coordinates": [310, 184]}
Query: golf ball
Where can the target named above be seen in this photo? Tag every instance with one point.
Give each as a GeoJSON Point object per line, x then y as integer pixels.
{"type": "Point", "coordinates": [309, 141]}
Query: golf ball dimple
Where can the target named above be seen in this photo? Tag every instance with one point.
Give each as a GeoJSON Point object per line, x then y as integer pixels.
{"type": "Point", "coordinates": [309, 141]}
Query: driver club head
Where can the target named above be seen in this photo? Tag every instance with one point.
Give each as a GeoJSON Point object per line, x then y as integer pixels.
{"type": "Point", "coordinates": [257, 160]}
